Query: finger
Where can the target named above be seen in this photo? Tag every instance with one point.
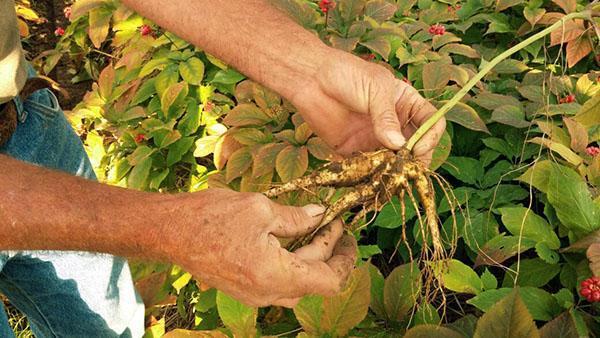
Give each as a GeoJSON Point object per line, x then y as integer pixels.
{"type": "Point", "coordinates": [424, 148]}
{"type": "Point", "coordinates": [296, 221]}
{"type": "Point", "coordinates": [287, 302]}
{"type": "Point", "coordinates": [323, 243]}
{"type": "Point", "coordinates": [382, 108]}
{"type": "Point", "coordinates": [324, 278]}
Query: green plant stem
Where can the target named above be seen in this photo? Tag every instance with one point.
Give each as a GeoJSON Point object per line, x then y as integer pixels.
{"type": "Point", "coordinates": [485, 70]}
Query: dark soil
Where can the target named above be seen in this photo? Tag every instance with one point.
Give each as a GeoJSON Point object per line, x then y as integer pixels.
{"type": "Point", "coordinates": [42, 38]}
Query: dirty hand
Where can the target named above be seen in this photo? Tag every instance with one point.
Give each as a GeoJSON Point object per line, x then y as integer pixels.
{"type": "Point", "coordinates": [237, 251]}
{"type": "Point", "coordinates": [355, 105]}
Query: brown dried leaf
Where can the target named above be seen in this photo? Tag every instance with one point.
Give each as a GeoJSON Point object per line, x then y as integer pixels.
{"type": "Point", "coordinates": [319, 149]}
{"type": "Point", "coordinates": [579, 135]}
{"type": "Point", "coordinates": [264, 160]}
{"type": "Point", "coordinates": [578, 49]}
{"type": "Point", "coordinates": [567, 5]}
{"type": "Point", "coordinates": [571, 30]}
{"type": "Point", "coordinates": [593, 254]}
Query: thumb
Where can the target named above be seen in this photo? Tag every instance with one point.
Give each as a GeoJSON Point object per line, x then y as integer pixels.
{"type": "Point", "coordinates": [385, 119]}
{"type": "Point", "coordinates": [296, 221]}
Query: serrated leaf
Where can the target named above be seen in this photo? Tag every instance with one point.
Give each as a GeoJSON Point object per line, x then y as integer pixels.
{"type": "Point", "coordinates": [192, 71]}
{"type": "Point", "coordinates": [522, 221]}
{"type": "Point", "coordinates": [491, 101]}
{"type": "Point", "coordinates": [589, 114]}
{"type": "Point", "coordinates": [431, 330]}
{"type": "Point", "coordinates": [560, 327]}
{"type": "Point", "coordinates": [138, 177]}
{"type": "Point", "coordinates": [237, 164]}
{"type": "Point", "coordinates": [508, 318]}
{"type": "Point", "coordinates": [571, 30]}
{"type": "Point", "coordinates": [460, 49]}
{"type": "Point", "coordinates": [291, 162]}
{"type": "Point", "coordinates": [350, 9]}
{"type": "Point", "coordinates": [458, 277]}
{"type": "Point", "coordinates": [504, 4]}
{"type": "Point", "coordinates": [500, 248]}
{"type": "Point", "coordinates": [178, 149]}
{"type": "Point", "coordinates": [380, 10]}
{"type": "Point", "coordinates": [380, 45]}
{"type": "Point", "coordinates": [560, 149]}
{"type": "Point", "coordinates": [309, 312]}
{"type": "Point", "coordinates": [139, 154]}
{"type": "Point", "coordinates": [510, 66]}
{"type": "Point", "coordinates": [540, 304]}
{"type": "Point", "coordinates": [264, 160]}
{"type": "Point", "coordinates": [99, 23]}
{"type": "Point", "coordinates": [466, 116]}
{"type": "Point", "coordinates": [239, 318]}
{"type": "Point", "coordinates": [246, 114]}
{"type": "Point", "coordinates": [546, 254]}
{"type": "Point", "coordinates": [401, 290]}
{"type": "Point", "coordinates": [567, 5]}
{"type": "Point", "coordinates": [532, 272]}
{"type": "Point", "coordinates": [488, 280]}
{"type": "Point", "coordinates": [171, 95]}
{"type": "Point", "coordinates": [510, 115]}
{"type": "Point", "coordinates": [578, 133]}
{"type": "Point", "coordinates": [319, 149]}
{"type": "Point", "coordinates": [345, 44]}
{"type": "Point", "coordinates": [577, 49]}
{"type": "Point", "coordinates": [301, 11]}
{"type": "Point", "coordinates": [345, 310]}
{"type": "Point", "coordinates": [436, 76]}
{"type": "Point", "coordinates": [248, 136]}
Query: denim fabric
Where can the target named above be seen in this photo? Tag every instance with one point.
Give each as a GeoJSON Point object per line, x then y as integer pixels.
{"type": "Point", "coordinates": [64, 294]}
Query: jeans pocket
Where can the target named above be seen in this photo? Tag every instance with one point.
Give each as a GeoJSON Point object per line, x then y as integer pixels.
{"type": "Point", "coordinates": [42, 103]}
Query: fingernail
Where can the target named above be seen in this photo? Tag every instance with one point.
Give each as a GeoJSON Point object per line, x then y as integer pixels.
{"type": "Point", "coordinates": [395, 138]}
{"type": "Point", "coordinates": [314, 210]}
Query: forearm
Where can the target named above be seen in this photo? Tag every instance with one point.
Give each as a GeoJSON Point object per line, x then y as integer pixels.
{"type": "Point", "coordinates": [41, 209]}
{"type": "Point", "coordinates": [250, 35]}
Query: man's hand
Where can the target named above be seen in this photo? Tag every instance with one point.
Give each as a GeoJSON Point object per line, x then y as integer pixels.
{"type": "Point", "coordinates": [228, 239]}
{"type": "Point", "coordinates": [355, 105]}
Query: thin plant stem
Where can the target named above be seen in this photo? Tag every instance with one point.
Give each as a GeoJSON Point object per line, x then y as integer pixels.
{"type": "Point", "coordinates": [424, 128]}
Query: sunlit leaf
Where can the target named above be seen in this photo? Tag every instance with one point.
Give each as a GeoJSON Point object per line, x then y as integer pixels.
{"type": "Point", "coordinates": [577, 49]}
{"type": "Point", "coordinates": [246, 114]}
{"type": "Point", "coordinates": [431, 330]}
{"type": "Point", "coordinates": [238, 163]}
{"type": "Point", "coordinates": [522, 221]}
{"type": "Point", "coordinates": [99, 21]}
{"type": "Point", "coordinates": [458, 277]}
{"type": "Point", "coordinates": [239, 318]}
{"type": "Point", "coordinates": [508, 318]}
{"type": "Point", "coordinates": [192, 71]}
{"type": "Point", "coordinates": [291, 162]}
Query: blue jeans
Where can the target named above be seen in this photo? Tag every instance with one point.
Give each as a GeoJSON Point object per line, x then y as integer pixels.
{"type": "Point", "coordinates": [64, 294]}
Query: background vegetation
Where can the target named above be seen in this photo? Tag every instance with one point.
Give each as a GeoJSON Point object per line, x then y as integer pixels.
{"type": "Point", "coordinates": [521, 152]}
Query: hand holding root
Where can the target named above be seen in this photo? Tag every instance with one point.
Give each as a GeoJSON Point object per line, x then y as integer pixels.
{"type": "Point", "coordinates": [376, 177]}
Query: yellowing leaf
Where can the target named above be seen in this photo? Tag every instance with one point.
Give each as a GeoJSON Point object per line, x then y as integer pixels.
{"type": "Point", "coordinates": [246, 114]}
{"type": "Point", "coordinates": [589, 114]}
{"type": "Point", "coordinates": [456, 276]}
{"type": "Point", "coordinates": [181, 333]}
{"type": "Point", "coordinates": [302, 133]}
{"type": "Point", "coordinates": [192, 71]}
{"type": "Point", "coordinates": [99, 22]}
{"type": "Point", "coordinates": [504, 4]}
{"type": "Point", "coordinates": [106, 82]}
{"type": "Point", "coordinates": [571, 30]}
{"type": "Point", "coordinates": [440, 40]}
{"type": "Point", "coordinates": [578, 133]}
{"type": "Point", "coordinates": [345, 310]}
{"type": "Point", "coordinates": [81, 7]}
{"type": "Point", "coordinates": [593, 255]}
{"type": "Point", "coordinates": [577, 49]}
{"type": "Point", "coordinates": [291, 162]}
{"type": "Point", "coordinates": [509, 318]}
{"type": "Point", "coordinates": [561, 149]}
{"type": "Point", "coordinates": [264, 160]}
{"type": "Point", "coordinates": [466, 116]}
{"type": "Point", "coordinates": [533, 15]}
{"type": "Point", "coordinates": [23, 28]}
{"type": "Point", "coordinates": [436, 76]}
{"type": "Point", "coordinates": [309, 312]}
{"type": "Point", "coordinates": [380, 10]}
{"type": "Point", "coordinates": [237, 164]}
{"type": "Point", "coordinates": [567, 5]}
{"type": "Point", "coordinates": [430, 330]}
{"type": "Point", "coordinates": [171, 94]}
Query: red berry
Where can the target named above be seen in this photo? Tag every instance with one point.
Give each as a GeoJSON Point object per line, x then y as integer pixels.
{"type": "Point", "coordinates": [59, 31]}
{"type": "Point", "coordinates": [326, 5]}
{"type": "Point", "coordinates": [570, 98]}
{"type": "Point", "coordinates": [457, 7]}
{"type": "Point", "coordinates": [595, 297]}
{"type": "Point", "coordinates": [139, 138]}
{"type": "Point", "coordinates": [208, 106]}
{"type": "Point", "coordinates": [586, 283]}
{"type": "Point", "coordinates": [67, 12]}
{"type": "Point", "coordinates": [146, 30]}
{"type": "Point", "coordinates": [437, 29]}
{"type": "Point", "coordinates": [593, 151]}
{"type": "Point", "coordinates": [586, 292]}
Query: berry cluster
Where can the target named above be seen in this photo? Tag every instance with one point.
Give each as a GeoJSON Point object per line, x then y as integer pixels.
{"type": "Point", "coordinates": [59, 31]}
{"type": "Point", "coordinates": [368, 57]}
{"type": "Point", "coordinates": [567, 99]}
{"type": "Point", "coordinates": [146, 30]}
{"type": "Point", "coordinates": [590, 289]}
{"type": "Point", "coordinates": [592, 151]}
{"type": "Point", "coordinates": [437, 29]}
{"type": "Point", "coordinates": [326, 5]}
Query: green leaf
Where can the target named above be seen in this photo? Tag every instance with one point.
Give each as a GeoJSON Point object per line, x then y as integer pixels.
{"type": "Point", "coordinates": [504, 4]}
{"type": "Point", "coordinates": [546, 254]}
{"type": "Point", "coordinates": [510, 115]}
{"type": "Point", "coordinates": [478, 229]}
{"type": "Point", "coordinates": [390, 216]}
{"type": "Point", "coordinates": [538, 174]}
{"type": "Point", "coordinates": [427, 314]}
{"type": "Point", "coordinates": [168, 77]}
{"type": "Point", "coordinates": [319, 149]}
{"type": "Point", "coordinates": [249, 136]}
{"type": "Point", "coordinates": [99, 23]}
{"type": "Point", "coordinates": [239, 318]}
{"type": "Point", "coordinates": [350, 9]}
{"type": "Point", "coordinates": [492, 101]}
{"type": "Point", "coordinates": [540, 304]}
{"type": "Point", "coordinates": [173, 95]}
{"type": "Point", "coordinates": [508, 318]}
{"type": "Point", "coordinates": [570, 197]}
{"type": "Point", "coordinates": [192, 71]}
{"type": "Point", "coordinates": [301, 11]}
{"type": "Point", "coordinates": [377, 285]}
{"type": "Point", "coordinates": [139, 154]}
{"type": "Point", "coordinates": [157, 178]}
{"type": "Point", "coordinates": [367, 251]}
{"type": "Point", "coordinates": [441, 151]}
{"type": "Point", "coordinates": [401, 290]}
{"type": "Point", "coordinates": [430, 330]}
{"type": "Point", "coordinates": [532, 272]}
{"type": "Point", "coordinates": [522, 221]}
{"type": "Point", "coordinates": [510, 66]}
{"type": "Point", "coordinates": [345, 310]}
{"type": "Point", "coordinates": [488, 280]}
{"type": "Point", "coordinates": [436, 76]}
{"type": "Point", "coordinates": [467, 117]}
{"type": "Point", "coordinates": [458, 277]}
{"type": "Point", "coordinates": [291, 162]}
{"type": "Point", "coordinates": [138, 176]}
{"type": "Point", "coordinates": [309, 312]}
{"type": "Point", "coordinates": [228, 76]}
{"type": "Point", "coordinates": [589, 114]}
{"type": "Point", "coordinates": [466, 169]}
{"type": "Point", "coordinates": [178, 149]}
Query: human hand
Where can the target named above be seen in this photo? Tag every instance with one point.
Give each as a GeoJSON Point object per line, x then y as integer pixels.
{"type": "Point", "coordinates": [355, 105]}
{"type": "Point", "coordinates": [228, 239]}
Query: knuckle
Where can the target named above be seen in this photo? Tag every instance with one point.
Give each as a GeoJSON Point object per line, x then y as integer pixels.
{"type": "Point", "coordinates": [259, 203]}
